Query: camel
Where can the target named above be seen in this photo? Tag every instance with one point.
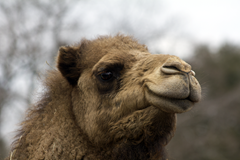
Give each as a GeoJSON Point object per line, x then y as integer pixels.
{"type": "Point", "coordinates": [108, 99]}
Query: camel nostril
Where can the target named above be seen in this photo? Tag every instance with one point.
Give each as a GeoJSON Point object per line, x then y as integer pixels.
{"type": "Point", "coordinates": [170, 69]}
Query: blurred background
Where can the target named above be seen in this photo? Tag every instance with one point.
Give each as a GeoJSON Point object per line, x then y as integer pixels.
{"type": "Point", "coordinates": [204, 33]}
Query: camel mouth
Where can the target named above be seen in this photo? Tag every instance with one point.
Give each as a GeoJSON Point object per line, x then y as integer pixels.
{"type": "Point", "coordinates": [167, 104]}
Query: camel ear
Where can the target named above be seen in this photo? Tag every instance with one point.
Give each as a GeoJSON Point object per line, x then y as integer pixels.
{"type": "Point", "coordinates": [68, 63]}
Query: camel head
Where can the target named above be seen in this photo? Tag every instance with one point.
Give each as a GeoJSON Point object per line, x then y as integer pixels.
{"type": "Point", "coordinates": [122, 94]}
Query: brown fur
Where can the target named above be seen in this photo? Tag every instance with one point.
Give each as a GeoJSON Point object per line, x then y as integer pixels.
{"type": "Point", "coordinates": [81, 116]}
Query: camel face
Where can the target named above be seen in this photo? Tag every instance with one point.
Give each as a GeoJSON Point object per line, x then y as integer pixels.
{"type": "Point", "coordinates": [163, 81]}
{"type": "Point", "coordinates": [118, 83]}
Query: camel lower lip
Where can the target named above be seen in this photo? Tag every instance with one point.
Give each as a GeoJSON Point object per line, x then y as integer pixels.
{"type": "Point", "coordinates": [169, 105]}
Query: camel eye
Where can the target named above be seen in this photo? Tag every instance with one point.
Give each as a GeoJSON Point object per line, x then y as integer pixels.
{"type": "Point", "coordinates": [106, 76]}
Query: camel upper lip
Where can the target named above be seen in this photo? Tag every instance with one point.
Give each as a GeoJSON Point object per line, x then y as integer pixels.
{"type": "Point", "coordinates": [187, 97]}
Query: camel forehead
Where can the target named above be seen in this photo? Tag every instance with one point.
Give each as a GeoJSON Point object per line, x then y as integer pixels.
{"type": "Point", "coordinates": [127, 58]}
{"type": "Point", "coordinates": [117, 46]}
{"type": "Point", "coordinates": [139, 54]}
{"type": "Point", "coordinates": [119, 49]}
{"type": "Point", "coordinates": [110, 56]}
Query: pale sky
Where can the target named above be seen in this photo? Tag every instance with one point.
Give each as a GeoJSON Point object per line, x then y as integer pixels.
{"type": "Point", "coordinates": [212, 22]}
{"type": "Point", "coordinates": [208, 21]}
